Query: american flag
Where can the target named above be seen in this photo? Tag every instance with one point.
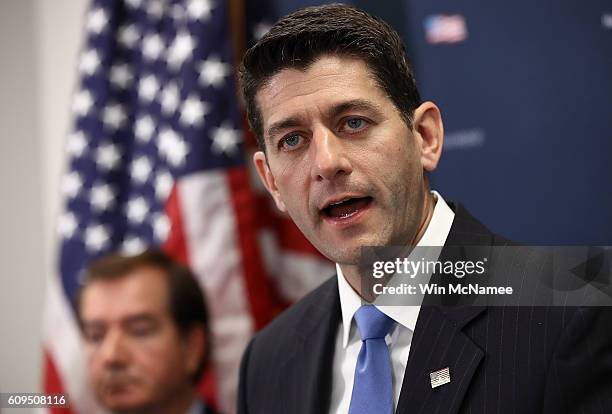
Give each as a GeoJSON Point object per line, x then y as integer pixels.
{"type": "Point", "coordinates": [442, 28]}
{"type": "Point", "coordinates": [157, 157]}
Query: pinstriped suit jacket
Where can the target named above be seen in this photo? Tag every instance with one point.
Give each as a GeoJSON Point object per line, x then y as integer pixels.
{"type": "Point", "coordinates": [502, 359]}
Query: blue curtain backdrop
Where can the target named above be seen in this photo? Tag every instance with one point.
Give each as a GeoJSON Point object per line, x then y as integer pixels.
{"type": "Point", "coordinates": [527, 104]}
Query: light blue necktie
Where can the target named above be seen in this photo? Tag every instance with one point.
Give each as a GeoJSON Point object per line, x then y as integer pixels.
{"type": "Point", "coordinates": [372, 388]}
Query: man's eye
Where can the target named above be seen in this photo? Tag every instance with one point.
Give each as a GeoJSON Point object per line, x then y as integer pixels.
{"type": "Point", "coordinates": [290, 141]}
{"type": "Point", "coordinates": [355, 123]}
{"type": "Point", "coordinates": [141, 329]}
{"type": "Point", "coordinates": [93, 337]}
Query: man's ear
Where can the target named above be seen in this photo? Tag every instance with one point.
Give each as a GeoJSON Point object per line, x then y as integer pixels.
{"type": "Point", "coordinates": [259, 158]}
{"type": "Point", "coordinates": [428, 128]}
{"type": "Point", "coordinates": [195, 342]}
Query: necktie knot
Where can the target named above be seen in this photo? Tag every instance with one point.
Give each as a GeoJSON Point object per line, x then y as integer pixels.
{"type": "Point", "coordinates": [372, 323]}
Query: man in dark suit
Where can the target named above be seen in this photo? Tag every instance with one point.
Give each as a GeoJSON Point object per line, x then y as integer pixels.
{"type": "Point", "coordinates": [345, 147]}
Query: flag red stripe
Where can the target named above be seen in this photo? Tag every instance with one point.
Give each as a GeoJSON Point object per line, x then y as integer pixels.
{"type": "Point", "coordinates": [52, 383]}
{"type": "Point", "coordinates": [291, 238]}
{"type": "Point", "coordinates": [263, 301]}
{"type": "Point", "coordinates": [288, 235]}
{"type": "Point", "coordinates": [176, 246]}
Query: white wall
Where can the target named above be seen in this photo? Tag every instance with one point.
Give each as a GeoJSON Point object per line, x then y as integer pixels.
{"type": "Point", "coordinates": [58, 41]}
{"type": "Point", "coordinates": [39, 43]}
{"type": "Point", "coordinates": [21, 245]}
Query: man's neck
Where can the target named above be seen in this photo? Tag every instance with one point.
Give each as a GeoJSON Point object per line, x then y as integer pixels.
{"type": "Point", "coordinates": [429, 203]}
{"type": "Point", "coordinates": [352, 273]}
{"type": "Point", "coordinates": [179, 403]}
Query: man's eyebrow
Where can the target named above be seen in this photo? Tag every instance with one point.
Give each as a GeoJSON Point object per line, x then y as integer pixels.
{"type": "Point", "coordinates": [336, 110]}
{"type": "Point", "coordinates": [281, 125]}
{"type": "Point", "coordinates": [353, 105]}
{"type": "Point", "coordinates": [139, 318]}
{"type": "Point", "coordinates": [92, 324]}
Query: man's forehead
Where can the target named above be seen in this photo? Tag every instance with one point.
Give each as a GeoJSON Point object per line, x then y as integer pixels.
{"type": "Point", "coordinates": [324, 84]}
{"type": "Point", "coordinates": [325, 69]}
{"type": "Point", "coordinates": [134, 292]}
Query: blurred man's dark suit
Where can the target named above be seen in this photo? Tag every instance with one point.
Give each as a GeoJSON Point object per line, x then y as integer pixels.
{"type": "Point", "coordinates": [501, 359]}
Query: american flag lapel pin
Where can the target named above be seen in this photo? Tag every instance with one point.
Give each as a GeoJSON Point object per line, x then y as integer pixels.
{"type": "Point", "coordinates": [440, 377]}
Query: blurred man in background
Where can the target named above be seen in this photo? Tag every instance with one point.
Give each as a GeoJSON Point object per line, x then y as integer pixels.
{"type": "Point", "coordinates": [145, 325]}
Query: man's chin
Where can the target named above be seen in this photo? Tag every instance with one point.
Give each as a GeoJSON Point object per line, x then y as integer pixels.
{"type": "Point", "coordinates": [125, 402]}
{"type": "Point", "coordinates": [348, 252]}
{"type": "Point", "coordinates": [348, 256]}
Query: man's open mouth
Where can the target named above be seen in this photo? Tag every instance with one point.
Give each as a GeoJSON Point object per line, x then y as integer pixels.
{"type": "Point", "coordinates": [346, 208]}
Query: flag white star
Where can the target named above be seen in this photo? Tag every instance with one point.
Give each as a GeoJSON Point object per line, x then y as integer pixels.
{"type": "Point", "coordinates": [137, 209]}
{"type": "Point", "coordinates": [176, 155]}
{"type": "Point", "coordinates": [148, 88]}
{"type": "Point", "coordinates": [121, 76]}
{"type": "Point", "coordinates": [193, 111]}
{"type": "Point", "coordinates": [152, 47]}
{"type": "Point", "coordinates": [71, 185]}
{"type": "Point", "coordinates": [226, 139]}
{"type": "Point", "coordinates": [163, 185]}
{"type": "Point", "coordinates": [128, 36]}
{"type": "Point", "coordinates": [178, 12]}
{"type": "Point", "coordinates": [133, 3]}
{"type": "Point", "coordinates": [212, 71]}
{"type": "Point", "coordinates": [156, 8]}
{"type": "Point", "coordinates": [96, 237]}
{"type": "Point", "coordinates": [96, 20]}
{"type": "Point", "coordinates": [161, 226]}
{"type": "Point", "coordinates": [114, 116]}
{"type": "Point", "coordinates": [169, 98]}
{"type": "Point", "coordinates": [141, 169]}
{"type": "Point", "coordinates": [108, 156]}
{"type": "Point", "coordinates": [260, 29]}
{"type": "Point", "coordinates": [102, 197]}
{"type": "Point", "coordinates": [172, 147]}
{"type": "Point", "coordinates": [89, 62]}
{"type": "Point", "coordinates": [144, 128]}
{"type": "Point", "coordinates": [67, 225]}
{"type": "Point", "coordinates": [133, 245]}
{"type": "Point", "coordinates": [199, 9]}
{"type": "Point", "coordinates": [167, 139]}
{"type": "Point", "coordinates": [82, 102]}
{"type": "Point", "coordinates": [180, 50]}
{"type": "Point", "coordinates": [76, 144]}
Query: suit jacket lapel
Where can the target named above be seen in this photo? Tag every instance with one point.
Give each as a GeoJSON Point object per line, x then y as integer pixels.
{"type": "Point", "coordinates": [438, 343]}
{"type": "Point", "coordinates": [305, 378]}
{"type": "Point", "coordinates": [438, 340]}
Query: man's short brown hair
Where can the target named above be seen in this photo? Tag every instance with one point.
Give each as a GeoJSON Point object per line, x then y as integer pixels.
{"type": "Point", "coordinates": [300, 38]}
{"type": "Point", "coordinates": [185, 298]}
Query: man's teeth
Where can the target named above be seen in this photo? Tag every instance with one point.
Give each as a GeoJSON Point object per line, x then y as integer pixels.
{"type": "Point", "coordinates": [347, 207]}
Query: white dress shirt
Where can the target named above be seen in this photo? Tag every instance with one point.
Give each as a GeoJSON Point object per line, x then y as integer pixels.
{"type": "Point", "coordinates": [348, 341]}
{"type": "Point", "coordinates": [197, 407]}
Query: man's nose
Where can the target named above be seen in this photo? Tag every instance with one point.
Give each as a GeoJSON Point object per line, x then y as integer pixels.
{"type": "Point", "coordinates": [330, 157]}
{"type": "Point", "coordinates": [114, 349]}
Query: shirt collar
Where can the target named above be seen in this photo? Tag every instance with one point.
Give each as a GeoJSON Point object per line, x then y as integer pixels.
{"type": "Point", "coordinates": [435, 235]}
{"type": "Point", "coordinates": [197, 407]}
